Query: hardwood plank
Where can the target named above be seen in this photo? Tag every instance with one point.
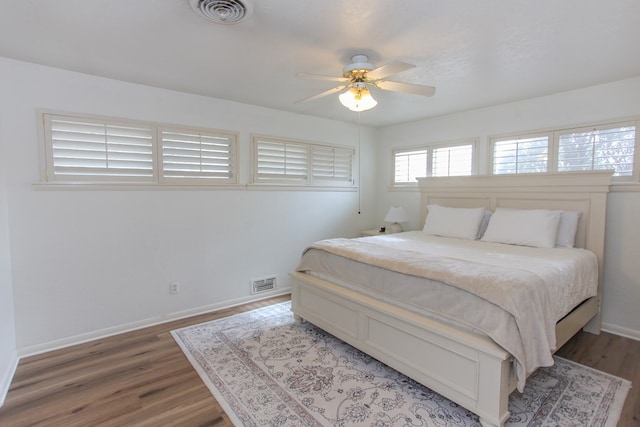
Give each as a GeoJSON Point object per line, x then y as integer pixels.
{"type": "Point", "coordinates": [142, 378]}
{"type": "Point", "coordinates": [136, 378]}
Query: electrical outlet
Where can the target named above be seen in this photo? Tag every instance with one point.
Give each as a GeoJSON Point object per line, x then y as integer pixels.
{"type": "Point", "coordinates": [174, 288]}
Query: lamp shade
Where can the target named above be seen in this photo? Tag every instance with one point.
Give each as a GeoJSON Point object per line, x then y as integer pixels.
{"type": "Point", "coordinates": [358, 99]}
{"type": "Point", "coordinates": [394, 216]}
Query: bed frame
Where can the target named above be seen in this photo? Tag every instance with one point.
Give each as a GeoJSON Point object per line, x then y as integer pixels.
{"type": "Point", "coordinates": [467, 368]}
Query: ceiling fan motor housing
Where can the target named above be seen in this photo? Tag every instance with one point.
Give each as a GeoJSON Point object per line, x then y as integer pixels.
{"type": "Point", "coordinates": [360, 65]}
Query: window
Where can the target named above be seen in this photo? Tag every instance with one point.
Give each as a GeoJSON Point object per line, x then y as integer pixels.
{"type": "Point", "coordinates": [521, 155]}
{"type": "Point", "coordinates": [279, 161]}
{"type": "Point", "coordinates": [609, 146]}
{"type": "Point", "coordinates": [332, 164]}
{"type": "Point", "coordinates": [96, 150]}
{"type": "Point", "coordinates": [200, 155]}
{"type": "Point", "coordinates": [85, 149]}
{"type": "Point", "coordinates": [441, 160]}
{"type": "Point", "coordinates": [410, 165]}
{"type": "Point", "coordinates": [452, 161]}
{"type": "Point", "coordinates": [598, 148]}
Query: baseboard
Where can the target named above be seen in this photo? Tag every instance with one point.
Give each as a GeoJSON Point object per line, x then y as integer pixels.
{"type": "Point", "coordinates": [7, 377]}
{"type": "Point", "coordinates": [107, 332]}
{"type": "Point", "coordinates": [619, 330]}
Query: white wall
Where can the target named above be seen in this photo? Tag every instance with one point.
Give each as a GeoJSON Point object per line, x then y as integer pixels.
{"type": "Point", "coordinates": [8, 354]}
{"type": "Point", "coordinates": [83, 263]}
{"type": "Point", "coordinates": [90, 262]}
{"type": "Point", "coordinates": [585, 106]}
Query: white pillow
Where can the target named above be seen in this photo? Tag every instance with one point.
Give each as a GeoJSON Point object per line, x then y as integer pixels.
{"type": "Point", "coordinates": [567, 229]}
{"type": "Point", "coordinates": [524, 227]}
{"type": "Point", "coordinates": [462, 223]}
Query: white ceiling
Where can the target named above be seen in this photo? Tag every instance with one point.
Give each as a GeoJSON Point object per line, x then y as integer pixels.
{"type": "Point", "coordinates": [476, 52]}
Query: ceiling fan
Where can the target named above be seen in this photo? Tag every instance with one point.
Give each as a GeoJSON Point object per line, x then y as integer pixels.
{"type": "Point", "coordinates": [361, 75]}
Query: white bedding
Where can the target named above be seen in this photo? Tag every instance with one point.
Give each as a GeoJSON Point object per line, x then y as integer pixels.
{"type": "Point", "coordinates": [513, 294]}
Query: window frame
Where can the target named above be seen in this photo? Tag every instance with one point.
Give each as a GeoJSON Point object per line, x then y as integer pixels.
{"type": "Point", "coordinates": [430, 148]}
{"type": "Point", "coordinates": [47, 119]}
{"type": "Point", "coordinates": [635, 172]}
{"type": "Point", "coordinates": [49, 179]}
{"type": "Point", "coordinates": [520, 136]}
{"type": "Point", "coordinates": [554, 146]}
{"type": "Point", "coordinates": [310, 179]}
{"type": "Point", "coordinates": [231, 137]}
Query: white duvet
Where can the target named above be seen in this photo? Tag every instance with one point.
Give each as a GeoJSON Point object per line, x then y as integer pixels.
{"type": "Point", "coordinates": [513, 294]}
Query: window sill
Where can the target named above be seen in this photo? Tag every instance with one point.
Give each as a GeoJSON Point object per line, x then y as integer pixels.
{"type": "Point", "coordinates": [411, 188]}
{"type": "Point", "coordinates": [285, 187]}
{"type": "Point", "coordinates": [132, 186]}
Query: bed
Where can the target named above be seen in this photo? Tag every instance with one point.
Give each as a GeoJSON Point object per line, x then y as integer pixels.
{"type": "Point", "coordinates": [448, 355]}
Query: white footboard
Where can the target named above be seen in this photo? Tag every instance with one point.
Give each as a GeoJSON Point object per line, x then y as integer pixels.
{"type": "Point", "coordinates": [467, 368]}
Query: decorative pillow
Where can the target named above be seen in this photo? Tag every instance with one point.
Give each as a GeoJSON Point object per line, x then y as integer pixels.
{"type": "Point", "coordinates": [462, 223]}
{"type": "Point", "coordinates": [524, 227]}
{"type": "Point", "coordinates": [567, 229]}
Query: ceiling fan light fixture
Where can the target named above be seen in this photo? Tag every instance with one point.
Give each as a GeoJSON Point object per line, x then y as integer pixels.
{"type": "Point", "coordinates": [357, 99]}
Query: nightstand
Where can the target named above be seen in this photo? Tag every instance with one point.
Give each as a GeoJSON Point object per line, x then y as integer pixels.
{"type": "Point", "coordinates": [374, 232]}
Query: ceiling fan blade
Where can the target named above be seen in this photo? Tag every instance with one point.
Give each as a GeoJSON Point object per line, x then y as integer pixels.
{"type": "Point", "coordinates": [321, 77]}
{"type": "Point", "coordinates": [389, 69]}
{"type": "Point", "coordinates": [321, 94]}
{"type": "Point", "coordinates": [406, 87]}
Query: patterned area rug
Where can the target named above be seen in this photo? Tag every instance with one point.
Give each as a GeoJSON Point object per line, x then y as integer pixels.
{"type": "Point", "coordinates": [266, 370]}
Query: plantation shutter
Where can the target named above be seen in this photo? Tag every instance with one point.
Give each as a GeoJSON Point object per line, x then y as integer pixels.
{"type": "Point", "coordinates": [332, 164]}
{"type": "Point", "coordinates": [280, 161]}
{"type": "Point", "coordinates": [198, 155]}
{"type": "Point", "coordinates": [409, 165]}
{"type": "Point", "coordinates": [521, 155]}
{"type": "Point", "coordinates": [452, 161]}
{"type": "Point", "coordinates": [93, 150]}
{"type": "Point", "coordinates": [597, 149]}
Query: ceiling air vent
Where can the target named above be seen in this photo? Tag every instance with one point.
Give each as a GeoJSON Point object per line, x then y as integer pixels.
{"type": "Point", "coordinates": [223, 11]}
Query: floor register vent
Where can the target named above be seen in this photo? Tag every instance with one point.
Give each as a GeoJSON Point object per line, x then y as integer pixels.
{"type": "Point", "coordinates": [263, 285]}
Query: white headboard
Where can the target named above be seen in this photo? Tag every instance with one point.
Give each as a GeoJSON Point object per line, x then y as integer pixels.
{"type": "Point", "coordinates": [569, 191]}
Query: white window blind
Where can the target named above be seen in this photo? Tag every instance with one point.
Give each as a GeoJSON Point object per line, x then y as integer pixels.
{"type": "Point", "coordinates": [598, 148]}
{"type": "Point", "coordinates": [521, 155]}
{"type": "Point", "coordinates": [198, 155]}
{"type": "Point", "coordinates": [452, 161]}
{"type": "Point", "coordinates": [410, 165]}
{"type": "Point", "coordinates": [282, 161]}
{"type": "Point", "coordinates": [278, 161]}
{"type": "Point", "coordinates": [93, 150]}
{"type": "Point", "coordinates": [332, 164]}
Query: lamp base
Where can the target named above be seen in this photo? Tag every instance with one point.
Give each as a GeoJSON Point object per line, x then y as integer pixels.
{"type": "Point", "coordinates": [394, 228]}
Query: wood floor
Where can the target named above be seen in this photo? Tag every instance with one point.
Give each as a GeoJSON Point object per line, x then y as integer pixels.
{"type": "Point", "coordinates": [142, 378]}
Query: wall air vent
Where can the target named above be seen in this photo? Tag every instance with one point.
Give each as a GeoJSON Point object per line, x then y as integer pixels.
{"type": "Point", "coordinates": [263, 285]}
{"type": "Point", "coordinates": [223, 11]}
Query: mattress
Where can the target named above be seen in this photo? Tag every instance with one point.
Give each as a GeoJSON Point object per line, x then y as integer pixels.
{"type": "Point", "coordinates": [513, 294]}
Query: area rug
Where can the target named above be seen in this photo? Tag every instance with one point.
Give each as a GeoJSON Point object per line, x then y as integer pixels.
{"type": "Point", "coordinates": [266, 370]}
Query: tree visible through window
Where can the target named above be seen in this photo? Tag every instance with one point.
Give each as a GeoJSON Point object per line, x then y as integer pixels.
{"type": "Point", "coordinates": [521, 155]}
{"type": "Point", "coordinates": [598, 149]}
{"type": "Point", "coordinates": [602, 147]}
